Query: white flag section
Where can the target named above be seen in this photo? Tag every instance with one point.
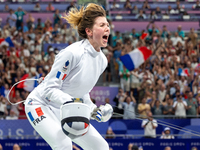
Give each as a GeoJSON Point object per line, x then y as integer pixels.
{"type": "Point", "coordinates": [135, 58]}
{"type": "Point", "coordinates": [29, 85]}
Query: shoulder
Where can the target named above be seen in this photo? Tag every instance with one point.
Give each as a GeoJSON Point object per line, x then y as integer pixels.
{"type": "Point", "coordinates": [75, 50]}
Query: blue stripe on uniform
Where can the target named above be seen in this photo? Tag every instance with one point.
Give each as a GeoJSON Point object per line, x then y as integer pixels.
{"type": "Point", "coordinates": [58, 74]}
{"type": "Point", "coordinates": [128, 62]}
{"type": "Point", "coordinates": [30, 116]}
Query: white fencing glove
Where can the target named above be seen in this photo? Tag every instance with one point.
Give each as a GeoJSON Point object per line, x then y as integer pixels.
{"type": "Point", "coordinates": [103, 113]}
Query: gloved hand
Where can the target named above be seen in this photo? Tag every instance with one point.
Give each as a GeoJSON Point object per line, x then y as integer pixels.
{"type": "Point", "coordinates": [103, 113]}
{"type": "Point", "coordinates": [96, 114]}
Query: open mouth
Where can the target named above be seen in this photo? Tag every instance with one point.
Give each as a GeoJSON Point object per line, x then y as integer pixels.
{"type": "Point", "coordinates": [105, 37]}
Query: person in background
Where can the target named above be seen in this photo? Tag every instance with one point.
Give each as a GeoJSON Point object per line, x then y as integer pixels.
{"type": "Point", "coordinates": [56, 17]}
{"type": "Point", "coordinates": [110, 134]}
{"type": "Point", "coordinates": [149, 126]}
{"type": "Point", "coordinates": [180, 107]}
{"type": "Point", "coordinates": [119, 97]}
{"type": "Point", "coordinates": [192, 106]}
{"type": "Point", "coordinates": [11, 19]}
{"type": "Point", "coordinates": [37, 7]}
{"type": "Point", "coordinates": [143, 108]}
{"type": "Point", "coordinates": [167, 134]}
{"type": "Point", "coordinates": [129, 103]}
{"type": "Point", "coordinates": [16, 147]}
{"type": "Point", "coordinates": [167, 148]}
{"type": "Point", "coordinates": [20, 13]}
{"type": "Point", "coordinates": [50, 7]}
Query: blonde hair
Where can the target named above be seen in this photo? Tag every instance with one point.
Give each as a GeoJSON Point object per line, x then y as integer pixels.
{"type": "Point", "coordinates": [84, 17]}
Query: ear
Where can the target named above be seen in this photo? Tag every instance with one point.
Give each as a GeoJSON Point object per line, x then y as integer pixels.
{"type": "Point", "coordinates": [89, 32]}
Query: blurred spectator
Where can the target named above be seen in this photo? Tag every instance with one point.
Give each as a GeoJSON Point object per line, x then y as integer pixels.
{"type": "Point", "coordinates": [3, 108]}
{"type": "Point", "coordinates": [135, 10]}
{"type": "Point", "coordinates": [48, 26]}
{"type": "Point", "coordinates": [167, 134]}
{"type": "Point", "coordinates": [162, 93]}
{"type": "Point", "coordinates": [20, 16]}
{"type": "Point", "coordinates": [16, 147]}
{"type": "Point", "coordinates": [143, 108]}
{"type": "Point", "coordinates": [50, 7]}
{"type": "Point", "coordinates": [107, 72]}
{"type": "Point", "coordinates": [180, 106]}
{"type": "Point", "coordinates": [168, 108]}
{"type": "Point", "coordinates": [6, 8]}
{"type": "Point", "coordinates": [71, 6]}
{"type": "Point", "coordinates": [129, 103]}
{"type": "Point", "coordinates": [149, 126]}
{"type": "Point", "coordinates": [192, 36]}
{"type": "Point", "coordinates": [2, 88]}
{"type": "Point", "coordinates": [107, 100]}
{"type": "Point", "coordinates": [114, 5]}
{"type": "Point", "coordinates": [192, 106]}
{"type": "Point", "coordinates": [30, 21]}
{"type": "Point", "coordinates": [39, 22]}
{"type": "Point", "coordinates": [197, 5]}
{"type": "Point", "coordinates": [146, 88]}
{"type": "Point", "coordinates": [23, 28]}
{"type": "Point", "coordinates": [56, 17]}
{"type": "Point", "coordinates": [37, 7]}
{"type": "Point", "coordinates": [110, 134]}
{"type": "Point", "coordinates": [158, 11]}
{"type": "Point", "coordinates": [1, 148]}
{"type": "Point", "coordinates": [116, 38]}
{"type": "Point", "coordinates": [157, 108]}
{"type": "Point", "coordinates": [127, 5]}
{"type": "Point", "coordinates": [167, 148]}
{"type": "Point", "coordinates": [176, 39]}
{"type": "Point", "coordinates": [120, 95]}
{"type": "Point", "coordinates": [171, 11]}
{"type": "Point", "coordinates": [165, 33]}
{"type": "Point", "coordinates": [153, 15]}
{"type": "Point", "coordinates": [154, 27]}
{"type": "Point", "coordinates": [180, 32]}
{"type": "Point", "coordinates": [134, 147]}
{"type": "Point", "coordinates": [194, 148]}
{"type": "Point", "coordinates": [125, 79]}
{"type": "Point", "coordinates": [12, 116]}
{"type": "Point", "coordinates": [146, 5]}
{"type": "Point", "coordinates": [11, 19]}
{"type": "Point", "coordinates": [141, 15]}
{"type": "Point", "coordinates": [135, 80]}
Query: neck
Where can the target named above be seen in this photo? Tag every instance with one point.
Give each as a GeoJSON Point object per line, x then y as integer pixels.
{"type": "Point", "coordinates": [96, 47]}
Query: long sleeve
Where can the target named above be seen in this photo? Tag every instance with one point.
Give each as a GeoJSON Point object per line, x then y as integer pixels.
{"type": "Point", "coordinates": [63, 64]}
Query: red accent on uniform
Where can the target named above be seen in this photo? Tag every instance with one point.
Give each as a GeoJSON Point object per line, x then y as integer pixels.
{"type": "Point", "coordinates": [86, 125]}
{"type": "Point", "coordinates": [39, 111]}
{"type": "Point", "coordinates": [64, 76]}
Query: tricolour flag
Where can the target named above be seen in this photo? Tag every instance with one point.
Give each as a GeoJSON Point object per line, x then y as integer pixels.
{"type": "Point", "coordinates": [7, 42]}
{"type": "Point", "coordinates": [135, 58]}
{"type": "Point", "coordinates": [185, 72]}
{"type": "Point", "coordinates": [28, 85]}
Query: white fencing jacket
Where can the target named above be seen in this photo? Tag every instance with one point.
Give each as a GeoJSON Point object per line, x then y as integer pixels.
{"type": "Point", "coordinates": [75, 71]}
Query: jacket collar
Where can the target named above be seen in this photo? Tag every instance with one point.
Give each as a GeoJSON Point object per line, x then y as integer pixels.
{"type": "Point", "coordinates": [90, 48]}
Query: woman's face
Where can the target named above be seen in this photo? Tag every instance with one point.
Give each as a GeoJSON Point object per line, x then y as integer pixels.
{"type": "Point", "coordinates": [98, 35]}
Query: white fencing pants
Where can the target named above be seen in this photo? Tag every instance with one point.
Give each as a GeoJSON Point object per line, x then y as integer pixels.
{"type": "Point", "coordinates": [45, 120]}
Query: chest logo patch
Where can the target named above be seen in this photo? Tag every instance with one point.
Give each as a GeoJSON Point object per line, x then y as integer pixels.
{"type": "Point", "coordinates": [65, 67]}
